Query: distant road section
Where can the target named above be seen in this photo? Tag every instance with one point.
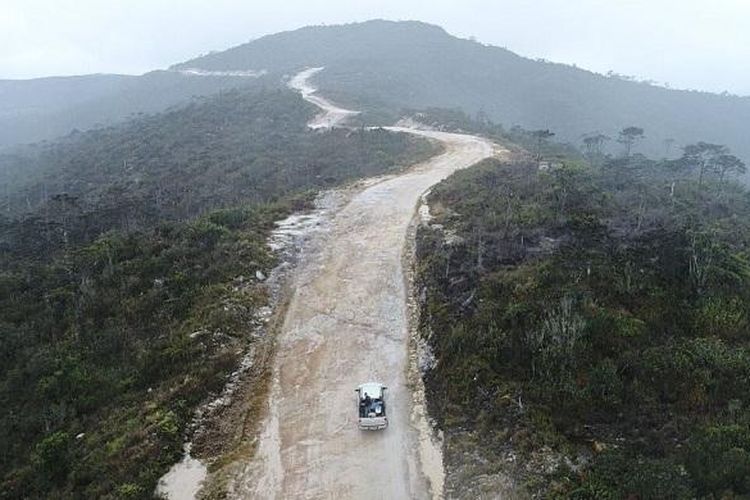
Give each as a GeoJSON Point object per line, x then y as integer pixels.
{"type": "Point", "coordinates": [347, 323]}
{"type": "Point", "coordinates": [203, 72]}
{"type": "Point", "coordinates": [331, 115]}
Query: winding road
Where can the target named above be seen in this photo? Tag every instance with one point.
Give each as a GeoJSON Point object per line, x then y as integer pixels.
{"type": "Point", "coordinates": [347, 323]}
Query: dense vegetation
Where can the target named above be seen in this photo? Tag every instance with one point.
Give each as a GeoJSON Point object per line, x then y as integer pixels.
{"type": "Point", "coordinates": [128, 288]}
{"type": "Point", "coordinates": [596, 314]}
{"type": "Point", "coordinates": [240, 147]}
{"type": "Point", "coordinates": [382, 64]}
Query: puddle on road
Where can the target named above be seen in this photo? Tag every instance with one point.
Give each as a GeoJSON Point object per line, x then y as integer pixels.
{"type": "Point", "coordinates": [292, 235]}
{"type": "Point", "coordinates": [293, 228]}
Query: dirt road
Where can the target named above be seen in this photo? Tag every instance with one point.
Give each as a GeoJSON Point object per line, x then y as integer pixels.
{"type": "Point", "coordinates": [331, 115]}
{"type": "Point", "coordinates": [346, 324]}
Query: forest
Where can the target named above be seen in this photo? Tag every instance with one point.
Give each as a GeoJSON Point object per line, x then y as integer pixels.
{"type": "Point", "coordinates": [592, 314]}
{"type": "Point", "coordinates": [583, 297]}
{"type": "Point", "coordinates": [128, 290]}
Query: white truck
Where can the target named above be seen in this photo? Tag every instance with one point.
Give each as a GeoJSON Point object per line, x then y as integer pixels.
{"type": "Point", "coordinates": [371, 406]}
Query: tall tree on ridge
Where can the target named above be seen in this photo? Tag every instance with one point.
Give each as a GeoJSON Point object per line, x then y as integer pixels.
{"type": "Point", "coordinates": [592, 144]}
{"type": "Point", "coordinates": [702, 156]}
{"type": "Point", "coordinates": [629, 136]}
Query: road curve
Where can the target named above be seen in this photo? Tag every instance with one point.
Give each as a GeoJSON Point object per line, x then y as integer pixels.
{"type": "Point", "coordinates": [347, 323]}
{"type": "Point", "coordinates": [330, 115]}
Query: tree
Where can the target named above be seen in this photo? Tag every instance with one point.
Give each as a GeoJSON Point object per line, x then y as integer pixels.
{"type": "Point", "coordinates": [592, 144]}
{"type": "Point", "coordinates": [729, 164]}
{"type": "Point", "coordinates": [629, 136]}
{"type": "Point", "coordinates": [703, 157]}
{"type": "Point", "coordinates": [51, 455]}
{"type": "Point", "coordinates": [541, 137]}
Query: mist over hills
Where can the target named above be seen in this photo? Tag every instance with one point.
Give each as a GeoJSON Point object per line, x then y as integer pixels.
{"type": "Point", "coordinates": [45, 108]}
{"type": "Point", "coordinates": [388, 67]}
{"type": "Point", "coordinates": [416, 65]}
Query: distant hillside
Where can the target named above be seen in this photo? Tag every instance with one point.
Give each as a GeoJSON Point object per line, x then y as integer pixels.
{"type": "Point", "coordinates": [412, 64]}
{"type": "Point", "coordinates": [45, 108]}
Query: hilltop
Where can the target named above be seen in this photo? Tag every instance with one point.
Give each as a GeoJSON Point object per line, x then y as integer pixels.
{"type": "Point", "coordinates": [383, 64]}
{"type": "Point", "coordinates": [385, 68]}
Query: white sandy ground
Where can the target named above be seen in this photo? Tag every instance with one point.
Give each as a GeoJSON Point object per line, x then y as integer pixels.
{"type": "Point", "coordinates": [347, 323]}
{"type": "Point", "coordinates": [184, 479]}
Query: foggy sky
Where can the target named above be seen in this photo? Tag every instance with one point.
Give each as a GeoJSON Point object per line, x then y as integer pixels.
{"type": "Point", "coordinates": [700, 44]}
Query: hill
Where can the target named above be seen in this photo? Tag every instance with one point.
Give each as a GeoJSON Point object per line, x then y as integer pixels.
{"type": "Point", "coordinates": [394, 65]}
{"type": "Point", "coordinates": [46, 108]}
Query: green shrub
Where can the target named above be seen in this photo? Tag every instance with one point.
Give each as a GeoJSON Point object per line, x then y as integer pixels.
{"type": "Point", "coordinates": [725, 317]}
{"type": "Point", "coordinates": [616, 475]}
{"type": "Point", "coordinates": [718, 459]}
{"type": "Point", "coordinates": [605, 385]}
{"type": "Point", "coordinates": [130, 490]}
{"type": "Point", "coordinates": [51, 456]}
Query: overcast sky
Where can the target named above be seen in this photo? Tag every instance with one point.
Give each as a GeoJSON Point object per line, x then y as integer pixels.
{"type": "Point", "coordinates": [701, 44]}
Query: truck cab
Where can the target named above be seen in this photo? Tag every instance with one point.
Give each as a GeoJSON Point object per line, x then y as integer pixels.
{"type": "Point", "coordinates": [371, 406]}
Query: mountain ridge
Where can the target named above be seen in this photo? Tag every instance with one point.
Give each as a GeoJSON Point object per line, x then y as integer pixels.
{"type": "Point", "coordinates": [50, 107]}
{"type": "Point", "coordinates": [392, 66]}
{"type": "Point", "coordinates": [411, 64]}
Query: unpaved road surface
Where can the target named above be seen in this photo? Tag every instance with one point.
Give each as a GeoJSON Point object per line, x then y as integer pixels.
{"type": "Point", "coordinates": [347, 323]}
{"type": "Point", "coordinates": [331, 115]}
